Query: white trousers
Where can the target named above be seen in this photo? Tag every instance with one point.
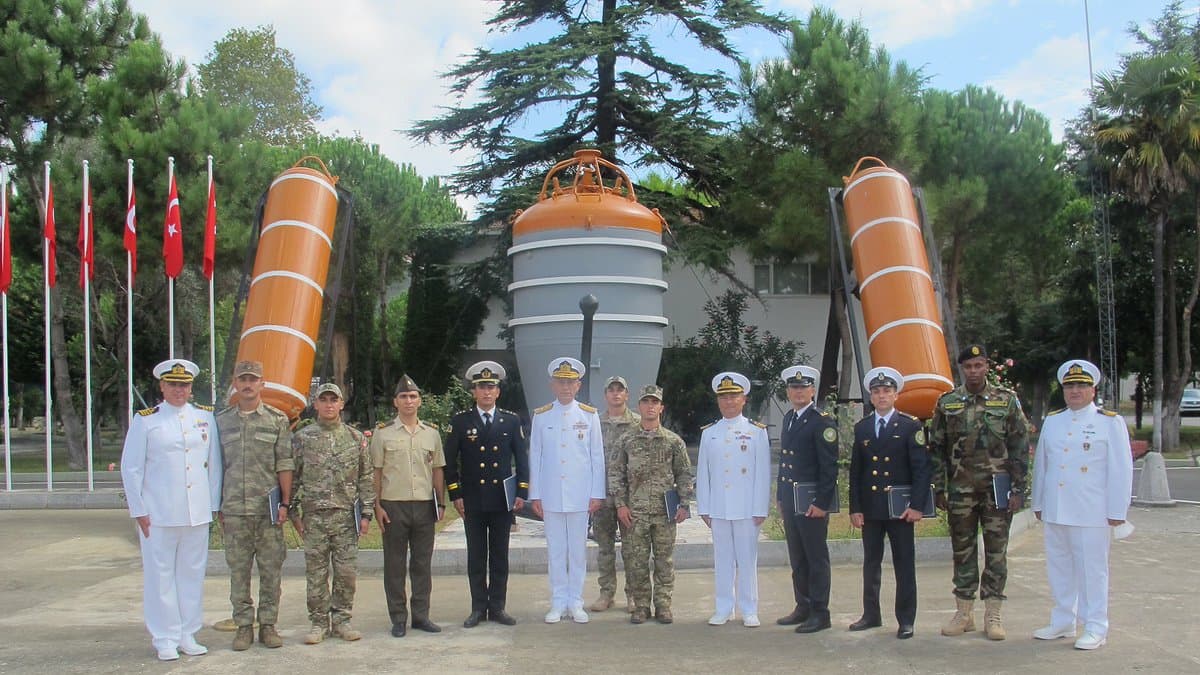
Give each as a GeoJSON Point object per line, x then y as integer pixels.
{"type": "Point", "coordinates": [1077, 568]}
{"type": "Point", "coordinates": [173, 564]}
{"type": "Point", "coordinates": [566, 553]}
{"type": "Point", "coordinates": [735, 558]}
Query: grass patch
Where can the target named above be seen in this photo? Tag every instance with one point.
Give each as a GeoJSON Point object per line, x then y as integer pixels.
{"type": "Point", "coordinates": [371, 541]}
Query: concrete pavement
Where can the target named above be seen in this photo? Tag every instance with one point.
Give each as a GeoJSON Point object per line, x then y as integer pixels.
{"type": "Point", "coordinates": [70, 590]}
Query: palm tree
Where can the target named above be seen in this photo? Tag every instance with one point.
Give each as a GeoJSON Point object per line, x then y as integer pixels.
{"type": "Point", "coordinates": [1151, 135]}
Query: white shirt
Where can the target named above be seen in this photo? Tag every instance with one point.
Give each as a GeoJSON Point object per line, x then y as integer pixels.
{"type": "Point", "coordinates": [1083, 468]}
{"type": "Point", "coordinates": [171, 466]}
{"type": "Point", "coordinates": [566, 457]}
{"type": "Point", "coordinates": [733, 471]}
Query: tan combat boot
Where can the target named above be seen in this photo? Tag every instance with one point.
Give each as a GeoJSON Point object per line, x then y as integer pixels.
{"type": "Point", "coordinates": [663, 614]}
{"type": "Point", "coordinates": [993, 627]}
{"type": "Point", "coordinates": [225, 625]}
{"type": "Point", "coordinates": [963, 620]}
{"type": "Point", "coordinates": [315, 635]}
{"type": "Point", "coordinates": [243, 639]}
{"type": "Point", "coordinates": [602, 603]}
{"type": "Point", "coordinates": [629, 606]}
{"type": "Point", "coordinates": [346, 632]}
{"type": "Point", "coordinates": [269, 637]}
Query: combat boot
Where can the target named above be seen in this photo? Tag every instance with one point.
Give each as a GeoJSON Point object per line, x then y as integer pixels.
{"type": "Point", "coordinates": [629, 606]}
{"type": "Point", "coordinates": [315, 635]}
{"type": "Point", "coordinates": [269, 637]}
{"type": "Point", "coordinates": [225, 625]}
{"type": "Point", "coordinates": [345, 631]}
{"type": "Point", "coordinates": [993, 627]}
{"type": "Point", "coordinates": [602, 603]}
{"type": "Point", "coordinates": [639, 616]}
{"type": "Point", "coordinates": [663, 614]}
{"type": "Point", "coordinates": [243, 639]}
{"type": "Point", "coordinates": [963, 620]}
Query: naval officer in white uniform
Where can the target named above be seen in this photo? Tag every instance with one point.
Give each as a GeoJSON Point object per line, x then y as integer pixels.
{"type": "Point", "coordinates": [1082, 481]}
{"type": "Point", "coordinates": [171, 470]}
{"type": "Point", "coordinates": [733, 489]}
{"type": "Point", "coordinates": [566, 484]}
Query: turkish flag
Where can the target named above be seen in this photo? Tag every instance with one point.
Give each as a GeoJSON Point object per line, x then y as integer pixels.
{"type": "Point", "coordinates": [173, 235]}
{"type": "Point", "coordinates": [50, 234]}
{"type": "Point", "coordinates": [210, 232]}
{"type": "Point", "coordinates": [87, 239]}
{"type": "Point", "coordinates": [131, 232]}
{"type": "Point", "coordinates": [5, 248]}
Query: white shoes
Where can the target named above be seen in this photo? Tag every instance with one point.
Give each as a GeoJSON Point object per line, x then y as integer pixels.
{"type": "Point", "coordinates": [718, 619]}
{"type": "Point", "coordinates": [555, 614]}
{"type": "Point", "coordinates": [168, 654]}
{"type": "Point", "coordinates": [751, 621]}
{"type": "Point", "coordinates": [1090, 640]}
{"type": "Point", "coordinates": [1054, 632]}
{"type": "Point", "coordinates": [190, 647]}
{"type": "Point", "coordinates": [578, 615]}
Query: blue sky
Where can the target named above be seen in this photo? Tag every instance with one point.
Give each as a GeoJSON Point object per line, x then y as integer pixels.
{"type": "Point", "coordinates": [375, 63]}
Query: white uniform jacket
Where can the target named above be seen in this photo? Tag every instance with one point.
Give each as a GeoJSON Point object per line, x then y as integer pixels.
{"type": "Point", "coordinates": [566, 457]}
{"type": "Point", "coordinates": [1083, 468]}
{"type": "Point", "coordinates": [733, 471]}
{"type": "Point", "coordinates": [171, 466]}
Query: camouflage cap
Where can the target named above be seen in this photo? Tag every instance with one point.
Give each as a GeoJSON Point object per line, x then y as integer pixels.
{"type": "Point", "coordinates": [651, 391]}
{"type": "Point", "coordinates": [616, 379]}
{"type": "Point", "coordinates": [329, 388]}
{"type": "Point", "coordinates": [405, 385]}
{"type": "Point", "coordinates": [254, 368]}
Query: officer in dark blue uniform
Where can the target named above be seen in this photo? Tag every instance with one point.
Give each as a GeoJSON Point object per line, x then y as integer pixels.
{"type": "Point", "coordinates": [486, 445]}
{"type": "Point", "coordinates": [808, 453]}
{"type": "Point", "coordinates": [889, 449]}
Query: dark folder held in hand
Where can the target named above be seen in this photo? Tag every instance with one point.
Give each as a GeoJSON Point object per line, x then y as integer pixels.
{"type": "Point", "coordinates": [804, 495]}
{"type": "Point", "coordinates": [671, 501]}
{"type": "Point", "coordinates": [1001, 489]}
{"type": "Point", "coordinates": [274, 500]}
{"type": "Point", "coordinates": [510, 491]}
{"type": "Point", "coordinates": [899, 498]}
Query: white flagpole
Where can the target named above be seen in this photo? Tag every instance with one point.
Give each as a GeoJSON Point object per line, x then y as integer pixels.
{"type": "Point", "coordinates": [87, 324]}
{"type": "Point", "coordinates": [170, 280]}
{"type": "Point", "coordinates": [212, 330]}
{"type": "Point", "coordinates": [129, 296]}
{"type": "Point", "coordinates": [46, 355]}
{"type": "Point", "coordinates": [6, 227]}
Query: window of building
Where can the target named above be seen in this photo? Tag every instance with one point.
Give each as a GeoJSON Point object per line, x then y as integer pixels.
{"type": "Point", "coordinates": [791, 279]}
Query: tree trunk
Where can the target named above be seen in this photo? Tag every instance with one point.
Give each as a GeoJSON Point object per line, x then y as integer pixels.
{"type": "Point", "coordinates": [63, 403]}
{"type": "Point", "coordinates": [1157, 271]}
{"type": "Point", "coordinates": [958, 249]}
{"type": "Point", "coordinates": [606, 74]}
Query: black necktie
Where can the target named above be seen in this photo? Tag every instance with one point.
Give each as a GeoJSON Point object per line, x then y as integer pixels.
{"type": "Point", "coordinates": [487, 421]}
{"type": "Point", "coordinates": [882, 424]}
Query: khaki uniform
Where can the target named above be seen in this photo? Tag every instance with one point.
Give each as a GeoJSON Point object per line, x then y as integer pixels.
{"type": "Point", "coordinates": [645, 465]}
{"type": "Point", "coordinates": [257, 446]}
{"type": "Point", "coordinates": [973, 437]}
{"type": "Point", "coordinates": [333, 470]}
{"type": "Point", "coordinates": [604, 521]}
{"type": "Point", "coordinates": [407, 460]}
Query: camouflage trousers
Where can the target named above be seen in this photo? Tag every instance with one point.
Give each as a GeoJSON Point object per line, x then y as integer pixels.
{"type": "Point", "coordinates": [604, 529]}
{"type": "Point", "coordinates": [251, 539]}
{"type": "Point", "coordinates": [330, 539]}
{"type": "Point", "coordinates": [645, 546]}
{"type": "Point", "coordinates": [970, 512]}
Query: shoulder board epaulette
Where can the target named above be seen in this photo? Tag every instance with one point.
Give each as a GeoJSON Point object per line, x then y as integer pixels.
{"type": "Point", "coordinates": [707, 426]}
{"type": "Point", "coordinates": [201, 406]}
{"type": "Point", "coordinates": [148, 411]}
{"type": "Point", "coordinates": [224, 410]}
{"type": "Point", "coordinates": [381, 425]}
{"type": "Point", "coordinates": [545, 408]}
{"type": "Point", "coordinates": [1055, 412]}
{"type": "Point", "coordinates": [586, 408]}
{"type": "Point", "coordinates": [822, 413]}
{"type": "Point", "coordinates": [911, 417]}
{"type": "Point", "coordinates": [433, 426]}
{"type": "Point", "coordinates": [1108, 413]}
{"type": "Point", "coordinates": [952, 392]}
{"type": "Point", "coordinates": [272, 409]}
{"type": "Point", "coordinates": [758, 424]}
{"type": "Point", "coordinates": [507, 411]}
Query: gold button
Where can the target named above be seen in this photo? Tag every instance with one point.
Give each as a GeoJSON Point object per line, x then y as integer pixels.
{"type": "Point", "coordinates": [482, 464]}
{"type": "Point", "coordinates": [887, 459]}
{"type": "Point", "coordinates": [495, 480]}
{"type": "Point", "coordinates": [482, 481]}
{"type": "Point", "coordinates": [874, 473]}
{"type": "Point", "coordinates": [496, 465]}
{"type": "Point", "coordinates": [874, 488]}
{"type": "Point", "coordinates": [874, 458]}
{"type": "Point", "coordinates": [482, 448]}
{"type": "Point", "coordinates": [495, 448]}
{"type": "Point", "coordinates": [886, 473]}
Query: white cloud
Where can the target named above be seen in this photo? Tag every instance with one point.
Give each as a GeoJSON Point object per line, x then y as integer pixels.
{"type": "Point", "coordinates": [375, 66]}
{"type": "Point", "coordinates": [896, 23]}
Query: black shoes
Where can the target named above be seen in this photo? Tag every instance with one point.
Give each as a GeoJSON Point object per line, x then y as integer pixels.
{"type": "Point", "coordinates": [398, 630]}
{"type": "Point", "coordinates": [865, 623]}
{"type": "Point", "coordinates": [474, 619]}
{"type": "Point", "coordinates": [905, 631]}
{"type": "Point", "coordinates": [501, 617]}
{"type": "Point", "coordinates": [427, 626]}
{"type": "Point", "coordinates": [814, 624]}
{"type": "Point", "coordinates": [798, 615]}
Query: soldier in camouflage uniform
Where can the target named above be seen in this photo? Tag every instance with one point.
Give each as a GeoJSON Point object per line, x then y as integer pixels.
{"type": "Point", "coordinates": [648, 461]}
{"type": "Point", "coordinates": [978, 430]}
{"type": "Point", "coordinates": [256, 441]}
{"type": "Point", "coordinates": [613, 424]}
{"type": "Point", "coordinates": [333, 471]}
